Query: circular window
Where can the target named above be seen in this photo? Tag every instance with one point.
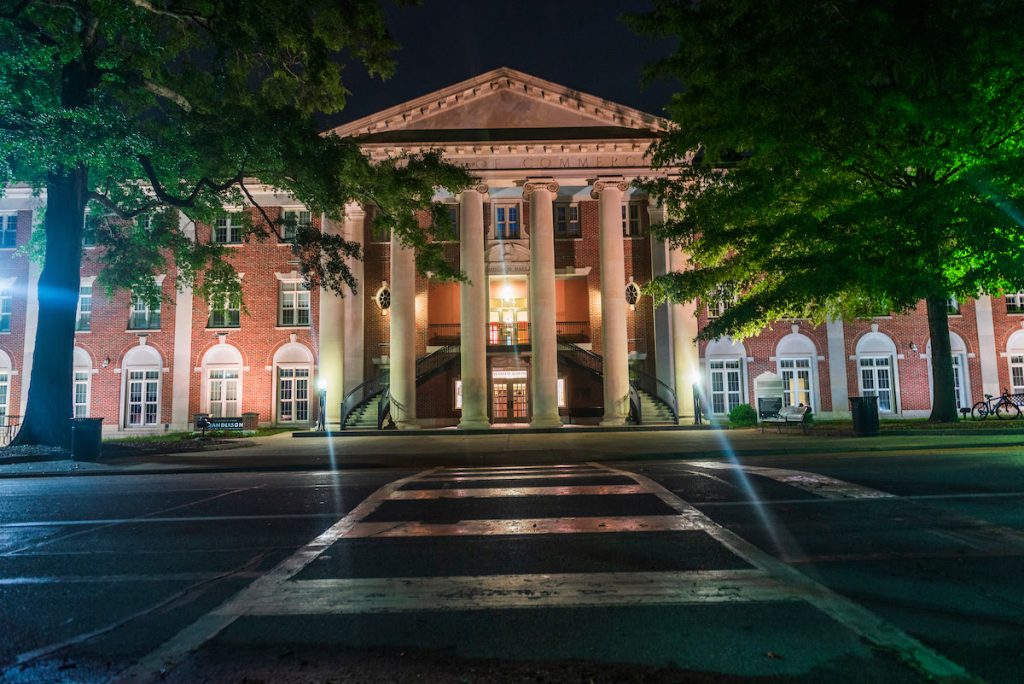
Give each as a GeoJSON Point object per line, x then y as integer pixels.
{"type": "Point", "coordinates": [632, 294]}
{"type": "Point", "coordinates": [383, 298]}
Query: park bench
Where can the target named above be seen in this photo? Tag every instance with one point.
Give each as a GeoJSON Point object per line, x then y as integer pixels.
{"type": "Point", "coordinates": [788, 416]}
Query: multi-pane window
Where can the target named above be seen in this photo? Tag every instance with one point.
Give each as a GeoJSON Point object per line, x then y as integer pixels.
{"type": "Point", "coordinates": [294, 219]}
{"type": "Point", "coordinates": [453, 220]}
{"type": "Point", "coordinates": [631, 219]}
{"type": "Point", "coordinates": [960, 381]}
{"type": "Point", "coordinates": [8, 231]}
{"type": "Point", "coordinates": [293, 308]}
{"type": "Point", "coordinates": [876, 380]}
{"type": "Point", "coordinates": [1017, 374]}
{"type": "Point", "coordinates": [227, 229]}
{"type": "Point", "coordinates": [726, 385]}
{"type": "Point", "coordinates": [1015, 302]}
{"type": "Point", "coordinates": [722, 299]}
{"type": "Point", "coordinates": [89, 230]}
{"type": "Point", "coordinates": [143, 316]}
{"type": "Point", "coordinates": [224, 394]}
{"type": "Point", "coordinates": [81, 393]}
{"type": "Point", "coordinates": [567, 221]}
{"type": "Point", "coordinates": [143, 397]}
{"type": "Point", "coordinates": [5, 383]}
{"type": "Point", "coordinates": [952, 306]}
{"type": "Point", "coordinates": [796, 381]}
{"type": "Point", "coordinates": [83, 316]}
{"type": "Point", "coordinates": [506, 222]}
{"type": "Point", "coordinates": [293, 395]}
{"type": "Point", "coordinates": [6, 303]}
{"type": "Point", "coordinates": [227, 314]}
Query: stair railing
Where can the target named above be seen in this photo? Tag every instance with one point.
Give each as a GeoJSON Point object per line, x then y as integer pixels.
{"type": "Point", "coordinates": [635, 406]}
{"type": "Point", "coordinates": [581, 357]}
{"type": "Point", "coordinates": [656, 388]}
{"type": "Point", "coordinates": [427, 365]}
{"type": "Point", "coordinates": [384, 410]}
{"type": "Point", "coordinates": [362, 394]}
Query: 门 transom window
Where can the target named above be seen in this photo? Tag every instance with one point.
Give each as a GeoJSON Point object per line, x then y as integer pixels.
{"type": "Point", "coordinates": [293, 308]}
{"type": "Point", "coordinates": [506, 221]}
{"type": "Point", "coordinates": [567, 221]}
{"type": "Point", "coordinates": [294, 220]}
{"type": "Point", "coordinates": [8, 231]}
{"type": "Point", "coordinates": [227, 229]}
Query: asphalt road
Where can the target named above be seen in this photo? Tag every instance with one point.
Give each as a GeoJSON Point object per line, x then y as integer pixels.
{"type": "Point", "coordinates": [898, 567]}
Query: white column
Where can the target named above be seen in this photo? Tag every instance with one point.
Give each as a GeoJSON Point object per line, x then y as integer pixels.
{"type": "Point", "coordinates": [543, 341]}
{"type": "Point", "coordinates": [403, 335]}
{"type": "Point", "coordinates": [614, 341]}
{"type": "Point", "coordinates": [685, 354]}
{"type": "Point", "coordinates": [181, 381]}
{"type": "Point", "coordinates": [330, 344]}
{"type": "Point", "coordinates": [473, 310]}
{"type": "Point", "coordinates": [988, 356]}
{"type": "Point", "coordinates": [354, 306]}
{"type": "Point", "coordinates": [836, 333]}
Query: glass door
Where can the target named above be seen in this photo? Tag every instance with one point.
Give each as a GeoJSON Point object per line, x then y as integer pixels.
{"type": "Point", "coordinates": [510, 396]}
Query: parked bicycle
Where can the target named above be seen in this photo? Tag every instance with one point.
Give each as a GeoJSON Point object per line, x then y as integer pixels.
{"type": "Point", "coordinates": [1002, 406]}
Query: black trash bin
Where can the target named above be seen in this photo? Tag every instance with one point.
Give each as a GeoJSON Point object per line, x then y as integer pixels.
{"type": "Point", "coordinates": [865, 416]}
{"type": "Point", "coordinates": [86, 436]}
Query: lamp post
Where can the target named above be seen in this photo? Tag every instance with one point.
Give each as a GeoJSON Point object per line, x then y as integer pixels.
{"type": "Point", "coordinates": [695, 383]}
{"type": "Point", "coordinates": [321, 420]}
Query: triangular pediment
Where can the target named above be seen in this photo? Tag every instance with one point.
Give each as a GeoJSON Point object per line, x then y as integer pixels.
{"type": "Point", "coordinates": [504, 104]}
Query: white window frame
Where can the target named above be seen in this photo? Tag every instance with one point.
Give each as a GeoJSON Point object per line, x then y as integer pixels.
{"type": "Point", "coordinates": [724, 367]}
{"type": "Point", "coordinates": [9, 227]}
{"type": "Point", "coordinates": [567, 227]}
{"type": "Point", "coordinates": [890, 365]}
{"type": "Point", "coordinates": [141, 311]}
{"type": "Point", "coordinates": [294, 214]}
{"type": "Point", "coordinates": [5, 394]}
{"type": "Point", "coordinates": [1015, 302]}
{"type": "Point", "coordinates": [561, 393]}
{"type": "Point", "coordinates": [632, 226]}
{"type": "Point", "coordinates": [150, 376]}
{"type": "Point", "coordinates": [223, 370]}
{"type": "Point", "coordinates": [230, 310]}
{"type": "Point", "coordinates": [6, 306]}
{"type": "Point", "coordinates": [1016, 363]}
{"type": "Point", "coordinates": [83, 313]}
{"type": "Point", "coordinates": [232, 227]}
{"type": "Point", "coordinates": [790, 369]}
{"type": "Point", "coordinates": [953, 306]}
{"type": "Point", "coordinates": [296, 404]}
{"type": "Point", "coordinates": [82, 378]}
{"type": "Point", "coordinates": [289, 292]}
{"type": "Point", "coordinates": [458, 395]}
{"type": "Point", "coordinates": [724, 298]}
{"type": "Point", "coordinates": [502, 227]}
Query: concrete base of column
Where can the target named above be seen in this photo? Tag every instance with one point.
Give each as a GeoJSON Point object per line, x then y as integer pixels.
{"type": "Point", "coordinates": [474, 424]}
{"type": "Point", "coordinates": [407, 425]}
{"type": "Point", "coordinates": [614, 421]}
{"type": "Point", "coordinates": [546, 422]}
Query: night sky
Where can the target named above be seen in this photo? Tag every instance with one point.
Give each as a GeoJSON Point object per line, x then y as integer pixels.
{"type": "Point", "coordinates": [576, 43]}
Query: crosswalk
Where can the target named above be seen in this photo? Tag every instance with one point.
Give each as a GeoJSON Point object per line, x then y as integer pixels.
{"type": "Point", "coordinates": [513, 505]}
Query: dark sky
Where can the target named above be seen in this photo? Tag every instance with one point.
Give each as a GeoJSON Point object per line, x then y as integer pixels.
{"type": "Point", "coordinates": [576, 43]}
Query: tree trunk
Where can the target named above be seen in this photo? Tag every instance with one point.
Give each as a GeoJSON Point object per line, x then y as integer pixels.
{"type": "Point", "coordinates": [50, 403]}
{"type": "Point", "coordinates": [943, 393]}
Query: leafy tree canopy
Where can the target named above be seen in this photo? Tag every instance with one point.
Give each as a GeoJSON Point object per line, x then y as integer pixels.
{"type": "Point", "coordinates": [842, 155]}
{"type": "Point", "coordinates": [185, 104]}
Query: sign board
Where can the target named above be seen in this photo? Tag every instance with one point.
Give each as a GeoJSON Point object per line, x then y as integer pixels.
{"type": "Point", "coordinates": [221, 424]}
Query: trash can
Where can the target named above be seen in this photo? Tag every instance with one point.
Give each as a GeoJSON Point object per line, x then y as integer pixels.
{"type": "Point", "coordinates": [86, 434]}
{"type": "Point", "coordinates": [864, 411]}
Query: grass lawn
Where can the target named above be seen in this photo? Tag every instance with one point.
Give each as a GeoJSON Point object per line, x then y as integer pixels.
{"type": "Point", "coordinates": [170, 437]}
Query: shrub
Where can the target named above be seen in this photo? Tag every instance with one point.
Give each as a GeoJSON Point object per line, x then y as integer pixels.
{"type": "Point", "coordinates": [742, 415]}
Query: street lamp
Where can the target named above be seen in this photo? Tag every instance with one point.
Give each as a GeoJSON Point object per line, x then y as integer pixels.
{"type": "Point", "coordinates": [321, 421]}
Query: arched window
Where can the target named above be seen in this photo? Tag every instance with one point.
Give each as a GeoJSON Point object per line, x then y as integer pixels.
{"type": "Point", "coordinates": [1015, 355]}
{"type": "Point", "coordinates": [293, 370]}
{"type": "Point", "coordinates": [726, 378]}
{"type": "Point", "coordinates": [222, 381]}
{"type": "Point", "coordinates": [876, 369]}
{"type": "Point", "coordinates": [82, 389]}
{"type": "Point", "coordinates": [797, 359]}
{"type": "Point", "coordinates": [141, 370]}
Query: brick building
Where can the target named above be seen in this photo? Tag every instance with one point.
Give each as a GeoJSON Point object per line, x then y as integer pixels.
{"type": "Point", "coordinates": [549, 329]}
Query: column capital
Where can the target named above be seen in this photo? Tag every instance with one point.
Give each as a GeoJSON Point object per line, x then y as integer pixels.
{"type": "Point", "coordinates": [602, 182]}
{"type": "Point", "coordinates": [532, 184]}
{"type": "Point", "coordinates": [479, 188]}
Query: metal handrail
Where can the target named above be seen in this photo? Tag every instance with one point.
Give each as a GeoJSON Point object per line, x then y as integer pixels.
{"type": "Point", "coordinates": [581, 357]}
{"type": "Point", "coordinates": [360, 395]}
{"type": "Point", "coordinates": [635, 406]}
{"type": "Point", "coordinates": [384, 410]}
{"type": "Point", "coordinates": [429, 364]}
{"type": "Point", "coordinates": [9, 426]}
{"type": "Point", "coordinates": [656, 388]}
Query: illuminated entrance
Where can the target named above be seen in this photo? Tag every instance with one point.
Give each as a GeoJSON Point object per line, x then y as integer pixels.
{"type": "Point", "coordinates": [510, 395]}
{"type": "Point", "coordinates": [509, 319]}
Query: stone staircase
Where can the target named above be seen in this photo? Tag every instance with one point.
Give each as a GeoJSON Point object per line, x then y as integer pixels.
{"type": "Point", "coordinates": [364, 417]}
{"type": "Point", "coordinates": [654, 411]}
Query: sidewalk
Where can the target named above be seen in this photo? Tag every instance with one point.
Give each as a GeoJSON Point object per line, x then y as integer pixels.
{"type": "Point", "coordinates": [283, 452]}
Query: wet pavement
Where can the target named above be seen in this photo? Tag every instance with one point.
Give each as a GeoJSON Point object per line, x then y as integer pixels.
{"type": "Point", "coordinates": [856, 567]}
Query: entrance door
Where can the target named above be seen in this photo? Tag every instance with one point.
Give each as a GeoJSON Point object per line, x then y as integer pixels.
{"type": "Point", "coordinates": [510, 396]}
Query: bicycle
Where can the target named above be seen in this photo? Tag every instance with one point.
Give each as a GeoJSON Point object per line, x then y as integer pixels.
{"type": "Point", "coordinates": [1002, 406]}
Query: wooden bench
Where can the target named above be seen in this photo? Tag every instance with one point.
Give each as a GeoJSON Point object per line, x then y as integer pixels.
{"type": "Point", "coordinates": [795, 416]}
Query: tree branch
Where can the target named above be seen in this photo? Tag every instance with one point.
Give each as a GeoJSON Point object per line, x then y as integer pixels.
{"type": "Point", "coordinates": [121, 213]}
{"type": "Point", "coordinates": [196, 18]}
{"type": "Point", "coordinates": [188, 201]}
{"type": "Point", "coordinates": [263, 212]}
{"type": "Point", "coordinates": [167, 93]}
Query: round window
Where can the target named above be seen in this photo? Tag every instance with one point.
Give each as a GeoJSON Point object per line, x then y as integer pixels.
{"type": "Point", "coordinates": [632, 293]}
{"type": "Point", "coordinates": [383, 298]}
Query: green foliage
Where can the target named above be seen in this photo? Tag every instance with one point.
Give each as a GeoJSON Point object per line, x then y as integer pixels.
{"type": "Point", "coordinates": [742, 415]}
{"type": "Point", "coordinates": [181, 105]}
{"type": "Point", "coordinates": [841, 156]}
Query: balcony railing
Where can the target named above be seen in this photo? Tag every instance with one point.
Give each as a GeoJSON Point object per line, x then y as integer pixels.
{"type": "Point", "coordinates": [505, 334]}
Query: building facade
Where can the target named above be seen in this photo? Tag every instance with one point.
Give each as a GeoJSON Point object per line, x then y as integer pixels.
{"type": "Point", "coordinates": [549, 328]}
